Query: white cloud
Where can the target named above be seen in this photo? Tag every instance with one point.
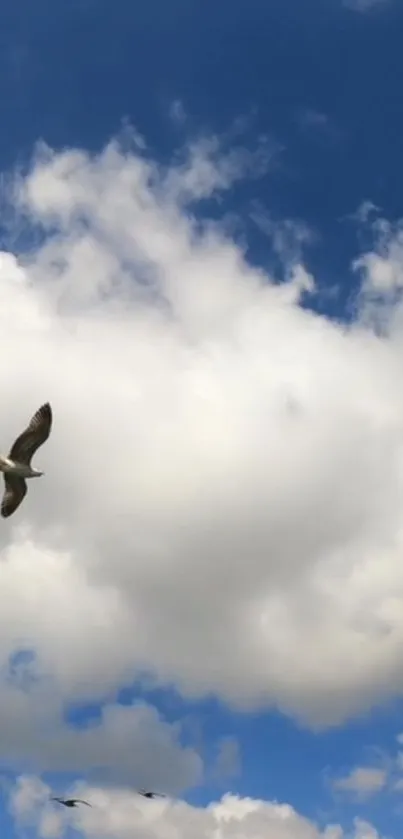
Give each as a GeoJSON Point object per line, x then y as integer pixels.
{"type": "Point", "coordinates": [287, 239]}
{"type": "Point", "coordinates": [383, 268]}
{"type": "Point", "coordinates": [119, 814]}
{"type": "Point", "coordinates": [223, 497]}
{"type": "Point", "coordinates": [362, 781]}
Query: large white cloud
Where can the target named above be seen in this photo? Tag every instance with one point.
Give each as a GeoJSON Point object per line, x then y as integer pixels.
{"type": "Point", "coordinates": [120, 814]}
{"type": "Point", "coordinates": [223, 497]}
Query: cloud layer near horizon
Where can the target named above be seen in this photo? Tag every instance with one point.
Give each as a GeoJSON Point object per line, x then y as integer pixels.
{"type": "Point", "coordinates": [120, 814]}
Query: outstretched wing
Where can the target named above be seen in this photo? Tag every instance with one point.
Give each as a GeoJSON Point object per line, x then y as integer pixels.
{"type": "Point", "coordinates": [80, 801]}
{"type": "Point", "coordinates": [14, 492]}
{"type": "Point", "coordinates": [34, 436]}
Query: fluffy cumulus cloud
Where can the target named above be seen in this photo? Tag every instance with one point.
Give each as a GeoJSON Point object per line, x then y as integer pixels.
{"type": "Point", "coordinates": [130, 745]}
{"type": "Point", "coordinates": [222, 504]}
{"type": "Point", "coordinates": [119, 814]}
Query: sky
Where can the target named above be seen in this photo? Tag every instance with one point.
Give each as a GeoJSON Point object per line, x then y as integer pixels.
{"type": "Point", "coordinates": [201, 269]}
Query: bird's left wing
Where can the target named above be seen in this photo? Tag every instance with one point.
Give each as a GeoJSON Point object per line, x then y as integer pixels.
{"type": "Point", "coordinates": [15, 491]}
{"type": "Point", "coordinates": [36, 433]}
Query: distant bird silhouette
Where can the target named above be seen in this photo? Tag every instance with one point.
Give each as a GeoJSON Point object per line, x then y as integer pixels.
{"type": "Point", "coordinates": [71, 802]}
{"type": "Point", "coordinates": [146, 794]}
{"type": "Point", "coordinates": [17, 465]}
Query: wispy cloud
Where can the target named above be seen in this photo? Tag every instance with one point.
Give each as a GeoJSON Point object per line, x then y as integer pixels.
{"type": "Point", "coordinates": [384, 774]}
{"type": "Point", "coordinates": [365, 5]}
{"type": "Point", "coordinates": [177, 112]}
{"type": "Point", "coordinates": [228, 761]}
{"type": "Point", "coordinates": [362, 782]}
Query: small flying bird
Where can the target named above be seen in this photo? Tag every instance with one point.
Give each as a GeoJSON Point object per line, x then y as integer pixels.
{"type": "Point", "coordinates": [17, 465]}
{"type": "Point", "coordinates": [71, 802]}
{"type": "Point", "coordinates": [148, 794]}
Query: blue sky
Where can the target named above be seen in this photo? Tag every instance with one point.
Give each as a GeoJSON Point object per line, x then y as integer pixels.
{"type": "Point", "coordinates": [316, 85]}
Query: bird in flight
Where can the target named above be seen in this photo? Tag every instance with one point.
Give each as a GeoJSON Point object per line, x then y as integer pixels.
{"type": "Point", "coordinates": [146, 794]}
{"type": "Point", "coordinates": [17, 465]}
{"type": "Point", "coordinates": [71, 802]}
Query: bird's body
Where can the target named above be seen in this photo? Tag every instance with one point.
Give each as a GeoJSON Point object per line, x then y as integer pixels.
{"type": "Point", "coordinates": [71, 802]}
{"type": "Point", "coordinates": [21, 470]}
{"type": "Point", "coordinates": [16, 466]}
{"type": "Point", "coordinates": [149, 794]}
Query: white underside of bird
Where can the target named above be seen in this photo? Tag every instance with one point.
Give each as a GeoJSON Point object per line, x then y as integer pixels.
{"type": "Point", "coordinates": [12, 467]}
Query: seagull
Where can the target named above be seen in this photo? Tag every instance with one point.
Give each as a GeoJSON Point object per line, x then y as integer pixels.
{"type": "Point", "coordinates": [147, 794]}
{"type": "Point", "coordinates": [71, 802]}
{"type": "Point", "coordinates": [17, 465]}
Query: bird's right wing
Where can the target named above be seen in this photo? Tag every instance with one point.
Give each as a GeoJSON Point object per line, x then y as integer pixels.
{"type": "Point", "coordinates": [36, 433]}
{"type": "Point", "coordinates": [14, 493]}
